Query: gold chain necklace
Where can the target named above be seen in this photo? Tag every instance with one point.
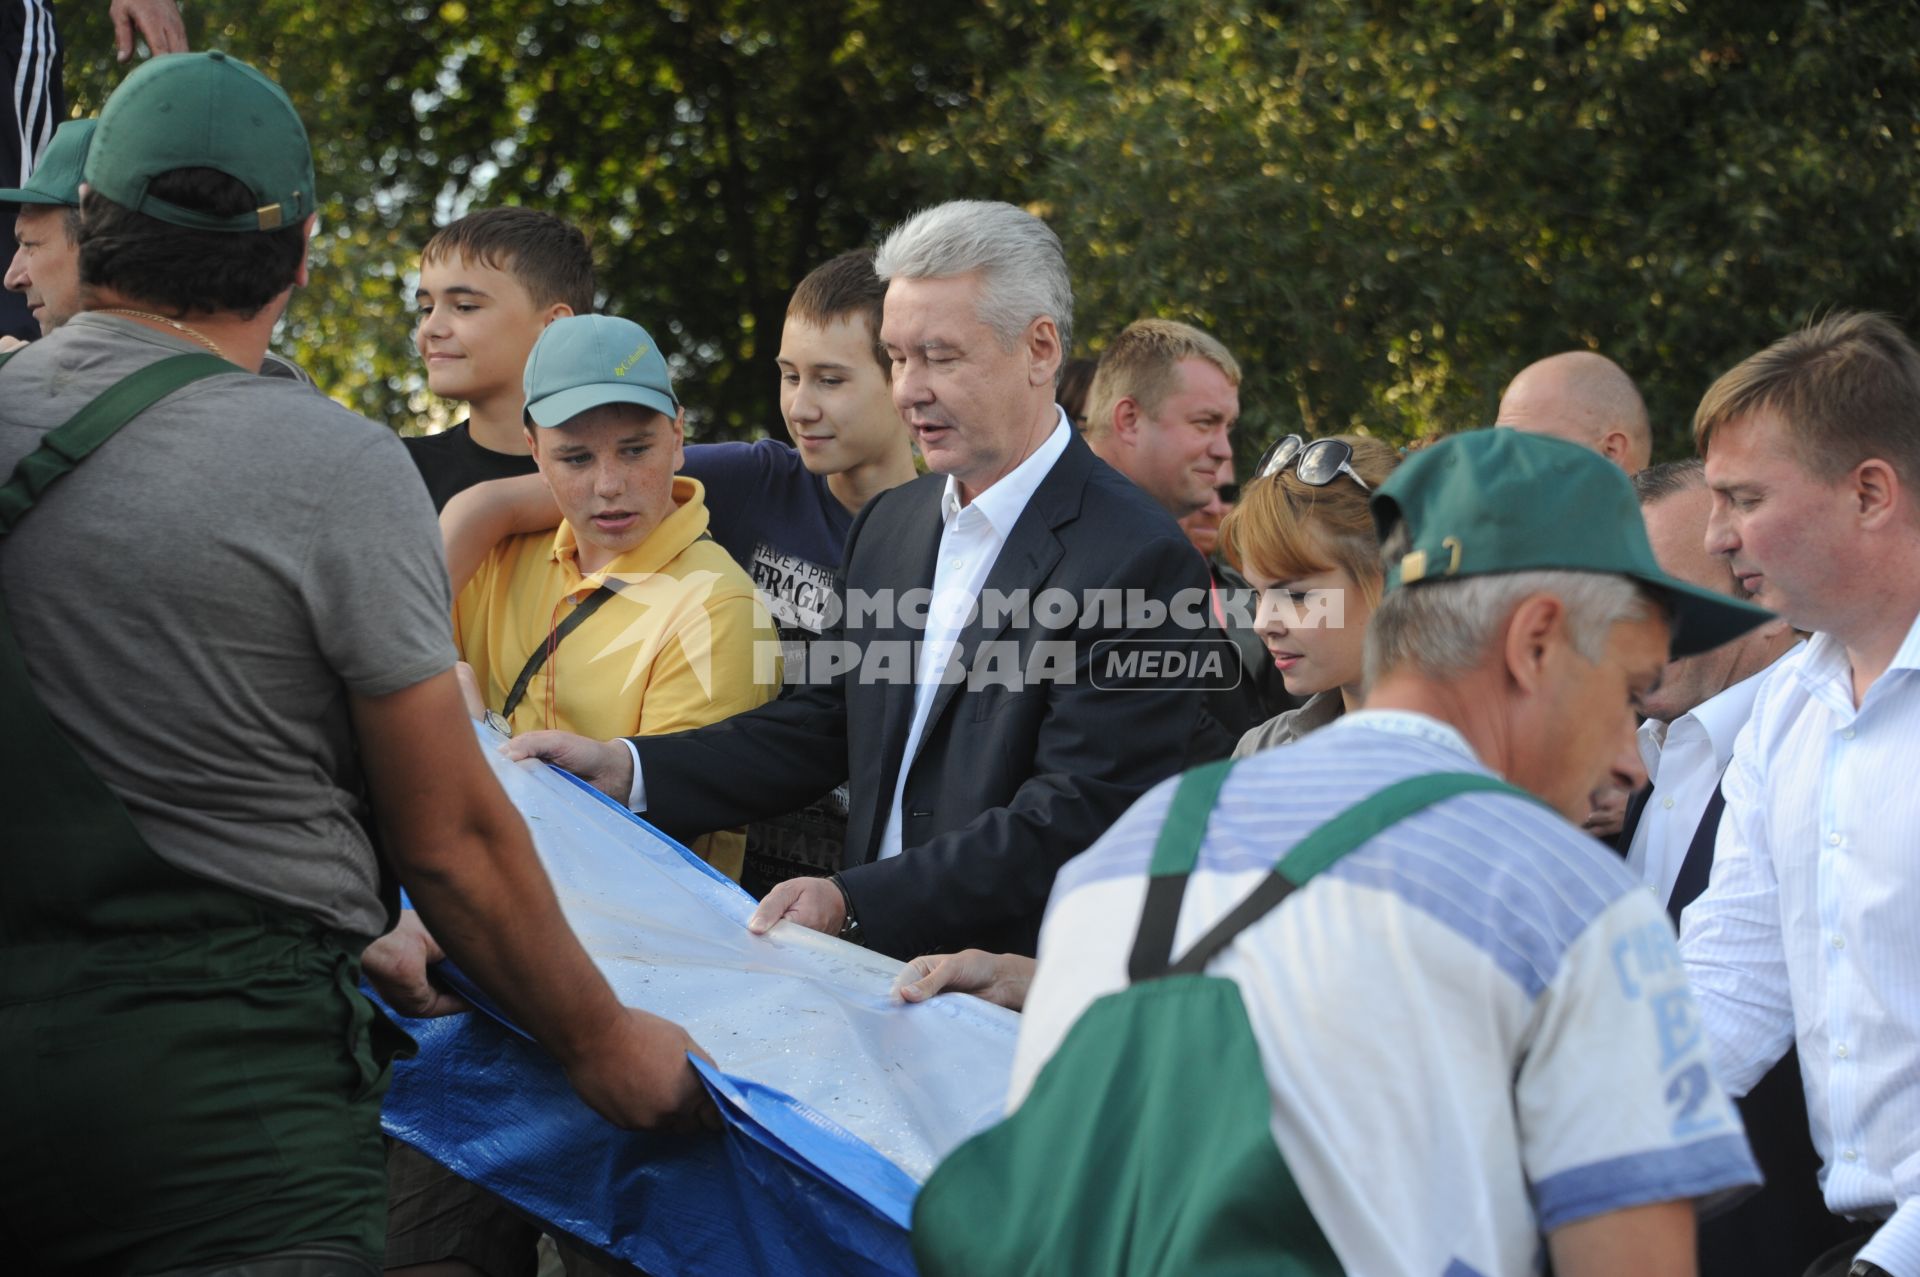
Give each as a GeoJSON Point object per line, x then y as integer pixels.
{"type": "Point", "coordinates": [192, 333]}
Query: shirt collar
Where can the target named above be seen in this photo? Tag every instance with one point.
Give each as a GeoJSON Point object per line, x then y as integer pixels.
{"type": "Point", "coordinates": [1908, 657]}
{"type": "Point", "coordinates": [1406, 722]}
{"type": "Point", "coordinates": [1723, 715]}
{"type": "Point", "coordinates": [1000, 505]}
{"type": "Point", "coordinates": [1827, 673]}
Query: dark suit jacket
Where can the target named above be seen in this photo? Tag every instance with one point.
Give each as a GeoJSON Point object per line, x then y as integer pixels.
{"type": "Point", "coordinates": [1785, 1225]}
{"type": "Point", "coordinates": [1010, 781]}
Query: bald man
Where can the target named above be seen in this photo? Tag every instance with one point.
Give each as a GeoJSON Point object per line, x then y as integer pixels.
{"type": "Point", "coordinates": [1583, 398]}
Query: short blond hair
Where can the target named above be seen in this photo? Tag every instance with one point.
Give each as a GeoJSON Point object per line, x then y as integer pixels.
{"type": "Point", "coordinates": [1847, 387]}
{"type": "Point", "coordinates": [1286, 529]}
{"type": "Point", "coordinates": [1143, 364]}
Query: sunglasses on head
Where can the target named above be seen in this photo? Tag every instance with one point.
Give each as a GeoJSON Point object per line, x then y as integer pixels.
{"type": "Point", "coordinates": [1318, 463]}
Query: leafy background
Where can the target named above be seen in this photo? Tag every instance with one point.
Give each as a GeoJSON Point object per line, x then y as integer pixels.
{"type": "Point", "coordinates": [1384, 209]}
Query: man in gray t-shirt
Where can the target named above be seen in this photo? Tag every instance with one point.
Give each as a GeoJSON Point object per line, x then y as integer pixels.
{"type": "Point", "coordinates": [219, 628]}
{"type": "Point", "coordinates": [196, 651]}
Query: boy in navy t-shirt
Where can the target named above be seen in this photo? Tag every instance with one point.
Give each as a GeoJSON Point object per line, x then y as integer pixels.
{"type": "Point", "coordinates": [783, 511]}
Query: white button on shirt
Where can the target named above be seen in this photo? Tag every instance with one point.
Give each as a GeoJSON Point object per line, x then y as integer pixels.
{"type": "Point", "coordinates": [1818, 847]}
{"type": "Point", "coordinates": [970, 544]}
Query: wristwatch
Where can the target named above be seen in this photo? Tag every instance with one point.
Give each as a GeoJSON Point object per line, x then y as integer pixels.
{"type": "Point", "coordinates": [849, 929]}
{"type": "Point", "coordinates": [1867, 1268]}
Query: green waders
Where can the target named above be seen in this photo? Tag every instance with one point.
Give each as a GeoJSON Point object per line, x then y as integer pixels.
{"type": "Point", "coordinates": [188, 1075]}
{"type": "Point", "coordinates": [1146, 1145]}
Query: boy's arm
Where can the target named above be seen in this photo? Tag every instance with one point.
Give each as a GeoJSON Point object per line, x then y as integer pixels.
{"type": "Point", "coordinates": [486, 514]}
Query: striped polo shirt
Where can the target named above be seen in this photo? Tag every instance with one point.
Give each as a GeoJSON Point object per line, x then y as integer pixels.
{"type": "Point", "coordinates": [1475, 1028]}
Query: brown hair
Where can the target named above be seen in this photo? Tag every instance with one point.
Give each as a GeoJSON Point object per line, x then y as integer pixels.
{"type": "Point", "coordinates": [844, 288]}
{"type": "Point", "coordinates": [548, 256]}
{"type": "Point", "coordinates": [1141, 365]}
{"type": "Point", "coordinates": [1287, 529]}
{"type": "Point", "coordinates": [183, 270]}
{"type": "Point", "coordinates": [1076, 379]}
{"type": "Point", "coordinates": [1847, 388]}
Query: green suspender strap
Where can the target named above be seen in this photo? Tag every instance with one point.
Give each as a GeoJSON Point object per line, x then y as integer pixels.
{"type": "Point", "coordinates": [1146, 1145]}
{"type": "Point", "coordinates": [67, 445]}
{"type": "Point", "coordinates": [1185, 827]}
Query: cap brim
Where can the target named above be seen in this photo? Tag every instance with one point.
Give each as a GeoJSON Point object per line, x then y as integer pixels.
{"type": "Point", "coordinates": [34, 197]}
{"type": "Point", "coordinates": [562, 406]}
{"type": "Point", "coordinates": [1704, 619]}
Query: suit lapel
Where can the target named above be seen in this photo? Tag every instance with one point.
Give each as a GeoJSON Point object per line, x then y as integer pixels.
{"type": "Point", "coordinates": [1698, 866]}
{"type": "Point", "coordinates": [1636, 807]}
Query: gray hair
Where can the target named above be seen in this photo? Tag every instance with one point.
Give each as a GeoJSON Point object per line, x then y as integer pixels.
{"type": "Point", "coordinates": [1669, 479]}
{"type": "Point", "coordinates": [1444, 628]}
{"type": "Point", "coordinates": [1023, 267]}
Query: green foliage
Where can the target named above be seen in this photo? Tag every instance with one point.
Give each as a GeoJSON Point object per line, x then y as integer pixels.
{"type": "Point", "coordinates": [1383, 208]}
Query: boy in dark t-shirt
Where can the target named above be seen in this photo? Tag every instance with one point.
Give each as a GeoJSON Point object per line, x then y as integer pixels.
{"type": "Point", "coordinates": [490, 283]}
{"type": "Point", "coordinates": [783, 511]}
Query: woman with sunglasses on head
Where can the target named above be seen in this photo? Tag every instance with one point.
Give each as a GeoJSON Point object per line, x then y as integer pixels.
{"type": "Point", "coordinates": [1303, 537]}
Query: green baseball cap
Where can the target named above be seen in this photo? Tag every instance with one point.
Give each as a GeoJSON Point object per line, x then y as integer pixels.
{"type": "Point", "coordinates": [203, 110]}
{"type": "Point", "coordinates": [56, 178]}
{"type": "Point", "coordinates": [1507, 501]}
{"type": "Point", "coordinates": [584, 361]}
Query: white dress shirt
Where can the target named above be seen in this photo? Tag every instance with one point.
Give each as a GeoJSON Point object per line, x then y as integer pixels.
{"type": "Point", "coordinates": [970, 542]}
{"type": "Point", "coordinates": [1809, 930]}
{"type": "Point", "coordinates": [1684, 760]}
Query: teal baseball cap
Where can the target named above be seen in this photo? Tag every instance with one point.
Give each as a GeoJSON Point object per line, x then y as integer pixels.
{"type": "Point", "coordinates": [56, 178]}
{"type": "Point", "coordinates": [1491, 501]}
{"type": "Point", "coordinates": [585, 361]}
{"type": "Point", "coordinates": [203, 110]}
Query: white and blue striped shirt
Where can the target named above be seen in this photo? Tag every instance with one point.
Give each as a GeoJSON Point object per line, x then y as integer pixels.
{"type": "Point", "coordinates": [1810, 925]}
{"type": "Point", "coordinates": [1475, 1027]}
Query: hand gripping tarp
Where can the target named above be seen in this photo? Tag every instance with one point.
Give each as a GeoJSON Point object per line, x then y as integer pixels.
{"type": "Point", "coordinates": [837, 1100]}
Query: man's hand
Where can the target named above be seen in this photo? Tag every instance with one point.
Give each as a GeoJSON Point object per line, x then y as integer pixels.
{"type": "Point", "coordinates": [607, 765]}
{"type": "Point", "coordinates": [814, 903]}
{"type": "Point", "coordinates": [158, 22]}
{"type": "Point", "coordinates": [1608, 814]}
{"type": "Point", "coordinates": [637, 1076]}
{"type": "Point", "coordinates": [999, 978]}
{"type": "Point", "coordinates": [397, 965]}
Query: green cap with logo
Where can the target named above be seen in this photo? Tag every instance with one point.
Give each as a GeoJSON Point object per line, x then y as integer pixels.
{"type": "Point", "coordinates": [56, 178]}
{"type": "Point", "coordinates": [586, 361]}
{"type": "Point", "coordinates": [203, 110]}
{"type": "Point", "coordinates": [1506, 501]}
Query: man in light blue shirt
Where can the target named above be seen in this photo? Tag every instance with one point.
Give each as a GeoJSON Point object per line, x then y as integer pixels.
{"type": "Point", "coordinates": [1807, 933]}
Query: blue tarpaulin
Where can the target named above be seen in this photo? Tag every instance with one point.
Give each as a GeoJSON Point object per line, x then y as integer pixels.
{"type": "Point", "coordinates": [837, 1101]}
